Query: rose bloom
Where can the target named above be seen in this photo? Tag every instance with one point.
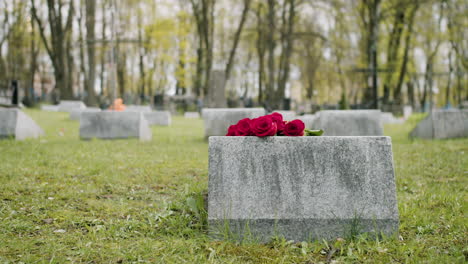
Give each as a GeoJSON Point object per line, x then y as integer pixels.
{"type": "Point", "coordinates": [294, 128]}
{"type": "Point", "coordinates": [243, 127]}
{"type": "Point", "coordinates": [263, 126]}
{"type": "Point", "coordinates": [280, 123]}
{"type": "Point", "coordinates": [232, 130]}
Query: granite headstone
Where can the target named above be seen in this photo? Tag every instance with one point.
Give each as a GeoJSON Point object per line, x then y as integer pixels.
{"type": "Point", "coordinates": [158, 118]}
{"type": "Point", "coordinates": [349, 122]}
{"type": "Point", "coordinates": [443, 124]}
{"type": "Point", "coordinates": [301, 188]}
{"type": "Point", "coordinates": [16, 124]}
{"type": "Point", "coordinates": [114, 125]}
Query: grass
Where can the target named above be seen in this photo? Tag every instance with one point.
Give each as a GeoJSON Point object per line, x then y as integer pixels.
{"type": "Point", "coordinates": [63, 200]}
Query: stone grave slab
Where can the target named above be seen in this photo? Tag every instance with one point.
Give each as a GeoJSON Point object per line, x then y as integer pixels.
{"type": "Point", "coordinates": [301, 188]}
{"type": "Point", "coordinates": [191, 115]}
{"type": "Point", "coordinates": [158, 118]}
{"type": "Point", "coordinates": [68, 106]}
{"type": "Point", "coordinates": [308, 120]}
{"type": "Point", "coordinates": [76, 114]}
{"type": "Point", "coordinates": [287, 115]}
{"type": "Point", "coordinates": [138, 108]}
{"type": "Point", "coordinates": [16, 124]}
{"type": "Point", "coordinates": [50, 108]}
{"type": "Point", "coordinates": [349, 122]}
{"type": "Point", "coordinates": [114, 125]}
{"type": "Point", "coordinates": [217, 120]}
{"type": "Point", "coordinates": [443, 124]}
{"type": "Point", "coordinates": [389, 118]}
{"type": "Point", "coordinates": [407, 111]}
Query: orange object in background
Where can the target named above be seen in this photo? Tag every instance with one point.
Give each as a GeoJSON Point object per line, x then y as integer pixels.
{"type": "Point", "coordinates": [117, 105]}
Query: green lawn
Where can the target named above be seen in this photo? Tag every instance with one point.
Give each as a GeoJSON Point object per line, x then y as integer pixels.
{"type": "Point", "coordinates": [65, 200]}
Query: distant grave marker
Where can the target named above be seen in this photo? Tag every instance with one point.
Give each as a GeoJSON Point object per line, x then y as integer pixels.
{"type": "Point", "coordinates": [349, 122]}
{"type": "Point", "coordinates": [217, 120]}
{"type": "Point", "coordinates": [443, 124]}
{"type": "Point", "coordinates": [114, 125]}
{"type": "Point", "coordinates": [14, 123]}
{"type": "Point", "coordinates": [68, 106]}
{"type": "Point", "coordinates": [158, 118]}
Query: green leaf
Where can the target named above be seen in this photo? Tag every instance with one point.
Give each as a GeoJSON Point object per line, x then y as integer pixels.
{"type": "Point", "coordinates": [313, 133]}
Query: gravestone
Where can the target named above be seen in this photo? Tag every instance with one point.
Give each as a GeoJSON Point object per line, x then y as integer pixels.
{"type": "Point", "coordinates": [349, 122]}
{"type": "Point", "coordinates": [216, 97]}
{"type": "Point", "coordinates": [217, 120]}
{"type": "Point", "coordinates": [114, 125]}
{"type": "Point", "coordinates": [389, 118]}
{"type": "Point", "coordinates": [443, 124]}
{"type": "Point", "coordinates": [191, 115]}
{"type": "Point", "coordinates": [76, 114]}
{"type": "Point", "coordinates": [68, 106]}
{"type": "Point", "coordinates": [158, 118]}
{"type": "Point", "coordinates": [50, 108]}
{"type": "Point", "coordinates": [308, 121]}
{"type": "Point", "coordinates": [407, 111]}
{"type": "Point", "coordinates": [14, 123]}
{"type": "Point", "coordinates": [138, 108]}
{"type": "Point", "coordinates": [301, 188]}
{"type": "Point", "coordinates": [287, 115]}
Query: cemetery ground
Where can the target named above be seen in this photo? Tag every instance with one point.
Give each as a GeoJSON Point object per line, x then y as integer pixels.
{"type": "Point", "coordinates": [125, 201]}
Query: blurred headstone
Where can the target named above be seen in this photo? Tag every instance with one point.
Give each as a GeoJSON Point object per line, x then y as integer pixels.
{"type": "Point", "coordinates": [443, 124]}
{"type": "Point", "coordinates": [14, 123]}
{"type": "Point", "coordinates": [216, 97]}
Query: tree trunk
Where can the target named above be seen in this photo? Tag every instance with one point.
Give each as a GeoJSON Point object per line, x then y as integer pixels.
{"type": "Point", "coordinates": [103, 49]}
{"type": "Point", "coordinates": [392, 50]}
{"type": "Point", "coordinates": [91, 44]}
{"type": "Point", "coordinates": [287, 49]}
{"type": "Point", "coordinates": [57, 49]}
{"type": "Point", "coordinates": [403, 69]}
{"type": "Point", "coordinates": [237, 35]}
{"type": "Point", "coordinates": [270, 48]}
{"type": "Point", "coordinates": [29, 93]}
{"type": "Point", "coordinates": [260, 51]}
{"type": "Point", "coordinates": [449, 81]}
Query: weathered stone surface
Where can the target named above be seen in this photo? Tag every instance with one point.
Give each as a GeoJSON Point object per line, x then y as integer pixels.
{"type": "Point", "coordinates": [138, 108]}
{"type": "Point", "coordinates": [114, 125]}
{"type": "Point", "coordinates": [191, 115]}
{"type": "Point", "coordinates": [302, 188]}
{"type": "Point", "coordinates": [158, 118]}
{"type": "Point", "coordinates": [76, 114]}
{"type": "Point", "coordinates": [349, 122]}
{"type": "Point", "coordinates": [217, 120]}
{"type": "Point", "coordinates": [287, 115]}
{"type": "Point", "coordinates": [308, 121]}
{"type": "Point", "coordinates": [14, 123]}
{"type": "Point", "coordinates": [50, 108]}
{"type": "Point", "coordinates": [442, 124]}
{"type": "Point", "coordinates": [68, 106]}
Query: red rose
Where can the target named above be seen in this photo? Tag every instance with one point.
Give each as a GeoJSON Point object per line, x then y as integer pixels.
{"type": "Point", "coordinates": [294, 128]}
{"type": "Point", "coordinates": [232, 130]}
{"type": "Point", "coordinates": [278, 119]}
{"type": "Point", "coordinates": [243, 127]}
{"type": "Point", "coordinates": [263, 126]}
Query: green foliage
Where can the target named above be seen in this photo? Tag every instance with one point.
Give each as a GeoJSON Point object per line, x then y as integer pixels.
{"type": "Point", "coordinates": [65, 200]}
